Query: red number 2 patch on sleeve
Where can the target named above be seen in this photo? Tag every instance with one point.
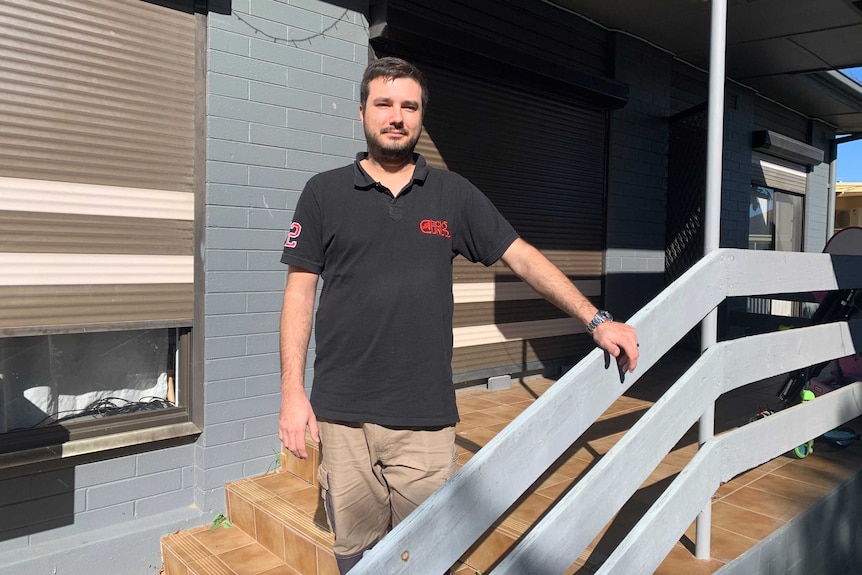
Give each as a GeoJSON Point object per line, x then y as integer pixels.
{"type": "Point", "coordinates": [295, 230]}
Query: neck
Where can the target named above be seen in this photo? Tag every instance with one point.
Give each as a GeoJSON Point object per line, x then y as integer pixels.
{"type": "Point", "coordinates": [390, 166]}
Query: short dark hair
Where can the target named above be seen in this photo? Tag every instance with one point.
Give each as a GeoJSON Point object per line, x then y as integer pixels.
{"type": "Point", "coordinates": [391, 68]}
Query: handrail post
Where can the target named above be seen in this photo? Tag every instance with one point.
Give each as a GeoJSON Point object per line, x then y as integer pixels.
{"type": "Point", "coordinates": [712, 221]}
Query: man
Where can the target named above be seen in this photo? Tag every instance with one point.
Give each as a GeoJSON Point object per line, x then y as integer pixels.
{"type": "Point", "coordinates": [382, 234]}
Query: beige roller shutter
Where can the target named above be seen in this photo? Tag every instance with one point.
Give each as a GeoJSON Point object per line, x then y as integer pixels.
{"type": "Point", "coordinates": [540, 158]}
{"type": "Point", "coordinates": [97, 111]}
{"type": "Point", "coordinates": [776, 173]}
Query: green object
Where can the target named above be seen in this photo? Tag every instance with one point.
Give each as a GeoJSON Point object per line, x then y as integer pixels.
{"type": "Point", "coordinates": [807, 395]}
{"type": "Point", "coordinates": [220, 521]}
{"type": "Point", "coordinates": [804, 450]}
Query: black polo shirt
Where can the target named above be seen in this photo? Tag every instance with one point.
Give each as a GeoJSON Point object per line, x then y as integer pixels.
{"type": "Point", "coordinates": [384, 321]}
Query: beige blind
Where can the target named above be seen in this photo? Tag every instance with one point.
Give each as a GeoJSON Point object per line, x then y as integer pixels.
{"type": "Point", "coordinates": [97, 109]}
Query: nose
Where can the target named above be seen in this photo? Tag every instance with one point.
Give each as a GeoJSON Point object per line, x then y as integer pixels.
{"type": "Point", "coordinates": [396, 117]}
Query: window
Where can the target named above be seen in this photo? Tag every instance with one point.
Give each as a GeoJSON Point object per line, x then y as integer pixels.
{"type": "Point", "coordinates": [775, 223]}
{"type": "Point", "coordinates": [97, 228]}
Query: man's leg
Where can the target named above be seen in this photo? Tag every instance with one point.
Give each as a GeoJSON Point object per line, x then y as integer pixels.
{"type": "Point", "coordinates": [414, 463]}
{"type": "Point", "coordinates": [356, 499]}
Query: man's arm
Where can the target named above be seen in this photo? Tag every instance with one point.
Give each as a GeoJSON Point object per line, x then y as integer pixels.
{"type": "Point", "coordinates": [529, 264]}
{"type": "Point", "coordinates": [296, 319]}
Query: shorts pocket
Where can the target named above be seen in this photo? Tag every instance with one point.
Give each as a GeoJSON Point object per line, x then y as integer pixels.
{"type": "Point", "coordinates": [323, 479]}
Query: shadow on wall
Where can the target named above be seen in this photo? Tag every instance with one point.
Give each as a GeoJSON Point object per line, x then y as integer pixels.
{"type": "Point", "coordinates": [36, 503]}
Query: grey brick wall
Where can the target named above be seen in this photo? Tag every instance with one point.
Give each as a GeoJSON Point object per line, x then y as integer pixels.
{"type": "Point", "coordinates": [283, 99]}
{"type": "Point", "coordinates": [637, 178]}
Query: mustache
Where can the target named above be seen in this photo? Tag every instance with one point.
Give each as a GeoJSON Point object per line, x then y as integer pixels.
{"type": "Point", "coordinates": [390, 129]}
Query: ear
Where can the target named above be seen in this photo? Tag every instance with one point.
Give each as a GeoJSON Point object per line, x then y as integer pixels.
{"type": "Point", "coordinates": [361, 114]}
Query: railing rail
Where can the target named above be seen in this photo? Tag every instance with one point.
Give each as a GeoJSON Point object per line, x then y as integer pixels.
{"type": "Point", "coordinates": [434, 536]}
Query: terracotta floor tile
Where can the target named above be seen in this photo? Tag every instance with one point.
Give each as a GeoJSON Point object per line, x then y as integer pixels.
{"type": "Point", "coordinates": [222, 539]}
{"type": "Point", "coordinates": [529, 509]}
{"type": "Point", "coordinates": [808, 493]}
{"type": "Point", "coordinates": [250, 560]}
{"type": "Point", "coordinates": [474, 439]}
{"type": "Point", "coordinates": [281, 483]}
{"type": "Point", "coordinates": [306, 500]}
{"type": "Point", "coordinates": [269, 532]}
{"type": "Point", "coordinates": [765, 503]}
{"type": "Point", "coordinates": [680, 561]}
{"type": "Point", "coordinates": [744, 521]}
{"type": "Point", "coordinates": [468, 403]}
{"type": "Point", "coordinates": [507, 412]}
{"type": "Point", "coordinates": [281, 570]}
{"type": "Point", "coordinates": [482, 419]}
{"type": "Point", "coordinates": [240, 512]}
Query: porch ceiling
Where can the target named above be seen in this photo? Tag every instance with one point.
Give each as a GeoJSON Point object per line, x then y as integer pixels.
{"type": "Point", "coordinates": [787, 50]}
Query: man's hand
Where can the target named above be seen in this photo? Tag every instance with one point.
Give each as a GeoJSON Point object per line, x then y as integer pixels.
{"type": "Point", "coordinates": [296, 416]}
{"type": "Point", "coordinates": [620, 341]}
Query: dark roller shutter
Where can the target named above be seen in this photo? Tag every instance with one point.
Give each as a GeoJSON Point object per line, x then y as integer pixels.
{"type": "Point", "coordinates": [540, 158]}
{"type": "Point", "coordinates": [97, 147]}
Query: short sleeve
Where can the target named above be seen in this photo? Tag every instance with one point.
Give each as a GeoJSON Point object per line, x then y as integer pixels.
{"type": "Point", "coordinates": [484, 233]}
{"type": "Point", "coordinates": [303, 246]}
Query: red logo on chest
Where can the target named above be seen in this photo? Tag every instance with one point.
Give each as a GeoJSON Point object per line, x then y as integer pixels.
{"type": "Point", "coordinates": [435, 227]}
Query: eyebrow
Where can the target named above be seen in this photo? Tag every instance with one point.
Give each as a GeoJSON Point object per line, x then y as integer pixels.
{"type": "Point", "coordinates": [385, 100]}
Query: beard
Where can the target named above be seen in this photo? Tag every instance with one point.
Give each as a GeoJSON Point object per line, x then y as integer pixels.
{"type": "Point", "coordinates": [391, 152]}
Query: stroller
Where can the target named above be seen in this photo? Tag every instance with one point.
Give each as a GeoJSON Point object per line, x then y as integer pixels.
{"type": "Point", "coordinates": [810, 382]}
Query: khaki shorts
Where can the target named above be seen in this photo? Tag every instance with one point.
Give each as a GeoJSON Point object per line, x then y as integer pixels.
{"type": "Point", "coordinates": [374, 476]}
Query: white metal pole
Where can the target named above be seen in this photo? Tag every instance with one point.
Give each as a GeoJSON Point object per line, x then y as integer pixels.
{"type": "Point", "coordinates": [833, 192]}
{"type": "Point", "coordinates": [712, 221]}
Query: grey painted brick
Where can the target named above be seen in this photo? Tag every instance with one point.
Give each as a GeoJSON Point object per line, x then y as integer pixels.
{"type": "Point", "coordinates": [15, 490]}
{"type": "Point", "coordinates": [287, 97]}
{"type": "Point", "coordinates": [52, 483]}
{"type": "Point", "coordinates": [164, 502]}
{"type": "Point", "coordinates": [267, 384]}
{"type": "Point", "coordinates": [241, 409]}
{"type": "Point", "coordinates": [224, 107]}
{"type": "Point", "coordinates": [315, 162]}
{"type": "Point", "coordinates": [226, 390]}
{"type": "Point", "coordinates": [225, 303]}
{"type": "Point", "coordinates": [226, 173]}
{"type": "Point", "coordinates": [282, 12]}
{"type": "Point", "coordinates": [234, 367]}
{"type": "Point", "coordinates": [251, 196]}
{"type": "Point", "coordinates": [267, 302]}
{"type": "Point", "coordinates": [113, 515]}
{"type": "Point", "coordinates": [230, 238]}
{"type": "Point", "coordinates": [286, 55]}
{"type": "Point", "coordinates": [188, 477]}
{"type": "Point", "coordinates": [258, 466]}
{"type": "Point", "coordinates": [345, 147]}
{"type": "Point", "coordinates": [265, 426]}
{"type": "Point", "coordinates": [267, 261]}
{"type": "Point", "coordinates": [319, 83]}
{"type": "Point", "coordinates": [285, 138]}
{"type": "Point", "coordinates": [245, 281]}
{"type": "Point", "coordinates": [248, 68]}
{"type": "Point", "coordinates": [108, 471]}
{"type": "Point", "coordinates": [321, 124]}
{"type": "Point", "coordinates": [214, 499]}
{"type": "Point", "coordinates": [360, 55]}
{"type": "Point", "coordinates": [251, 154]}
{"type": "Point", "coordinates": [164, 459]}
{"type": "Point", "coordinates": [282, 179]}
{"type": "Point", "coordinates": [223, 433]}
{"type": "Point", "coordinates": [130, 489]}
{"type": "Point", "coordinates": [243, 324]}
{"type": "Point", "coordinates": [222, 455]}
{"type": "Point", "coordinates": [271, 219]}
{"type": "Point", "coordinates": [226, 217]}
{"type": "Point", "coordinates": [224, 260]}
{"type": "Point", "coordinates": [340, 68]}
{"type": "Point", "coordinates": [344, 29]}
{"type": "Point", "coordinates": [227, 129]}
{"type": "Point", "coordinates": [263, 343]}
{"type": "Point", "coordinates": [221, 347]}
{"type": "Point", "coordinates": [226, 41]}
{"type": "Point", "coordinates": [12, 541]}
{"type": "Point", "coordinates": [348, 109]}
{"type": "Point", "coordinates": [242, 22]}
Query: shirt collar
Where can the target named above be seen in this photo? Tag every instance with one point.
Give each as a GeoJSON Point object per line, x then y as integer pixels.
{"type": "Point", "coordinates": [362, 181]}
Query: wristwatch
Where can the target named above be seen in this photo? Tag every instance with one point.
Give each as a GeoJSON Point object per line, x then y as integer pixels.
{"type": "Point", "coordinates": [601, 317]}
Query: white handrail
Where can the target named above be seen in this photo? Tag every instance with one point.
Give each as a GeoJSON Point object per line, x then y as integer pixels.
{"type": "Point", "coordinates": [436, 534]}
{"type": "Point", "coordinates": [551, 547]}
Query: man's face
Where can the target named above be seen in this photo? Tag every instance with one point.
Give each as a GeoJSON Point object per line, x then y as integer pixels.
{"type": "Point", "coordinates": [392, 118]}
